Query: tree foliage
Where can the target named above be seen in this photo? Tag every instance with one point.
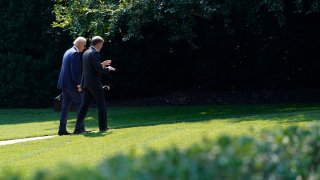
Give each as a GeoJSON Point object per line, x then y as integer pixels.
{"type": "Point", "coordinates": [129, 17]}
{"type": "Point", "coordinates": [214, 43]}
{"type": "Point", "coordinates": [161, 45]}
{"type": "Point", "coordinates": [30, 53]}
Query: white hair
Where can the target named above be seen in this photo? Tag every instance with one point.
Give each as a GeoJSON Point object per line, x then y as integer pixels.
{"type": "Point", "coordinates": [79, 40]}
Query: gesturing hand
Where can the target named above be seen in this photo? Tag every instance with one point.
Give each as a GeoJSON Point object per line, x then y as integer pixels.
{"type": "Point", "coordinates": [106, 63]}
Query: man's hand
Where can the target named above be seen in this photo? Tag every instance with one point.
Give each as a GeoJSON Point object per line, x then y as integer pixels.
{"type": "Point", "coordinates": [79, 89]}
{"type": "Point", "coordinates": [106, 63]}
{"type": "Point", "coordinates": [111, 68]}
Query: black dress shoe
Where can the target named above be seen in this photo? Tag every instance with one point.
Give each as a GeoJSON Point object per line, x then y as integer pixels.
{"type": "Point", "coordinates": [103, 130]}
{"type": "Point", "coordinates": [63, 133]}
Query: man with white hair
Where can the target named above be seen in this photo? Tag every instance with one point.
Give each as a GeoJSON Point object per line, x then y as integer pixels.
{"type": "Point", "coordinates": [69, 81]}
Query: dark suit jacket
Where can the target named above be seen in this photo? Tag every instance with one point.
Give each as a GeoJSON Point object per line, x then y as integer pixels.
{"type": "Point", "coordinates": [71, 70]}
{"type": "Point", "coordinates": [92, 69]}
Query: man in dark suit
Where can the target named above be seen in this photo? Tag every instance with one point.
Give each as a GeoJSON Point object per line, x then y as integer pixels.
{"type": "Point", "coordinates": [69, 81]}
{"type": "Point", "coordinates": [91, 85]}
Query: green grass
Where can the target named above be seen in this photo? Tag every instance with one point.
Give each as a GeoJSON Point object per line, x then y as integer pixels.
{"type": "Point", "coordinates": [134, 129]}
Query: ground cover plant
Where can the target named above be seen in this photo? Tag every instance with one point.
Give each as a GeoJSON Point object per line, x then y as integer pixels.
{"type": "Point", "coordinates": [134, 130]}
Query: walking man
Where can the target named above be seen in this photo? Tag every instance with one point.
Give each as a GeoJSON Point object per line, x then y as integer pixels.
{"type": "Point", "coordinates": [69, 81]}
{"type": "Point", "coordinates": [91, 85]}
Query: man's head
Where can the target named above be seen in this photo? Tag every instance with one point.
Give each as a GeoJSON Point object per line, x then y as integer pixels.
{"type": "Point", "coordinates": [80, 43]}
{"type": "Point", "coordinates": [97, 42]}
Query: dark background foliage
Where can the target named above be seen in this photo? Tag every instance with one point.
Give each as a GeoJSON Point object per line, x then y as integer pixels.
{"type": "Point", "coordinates": [239, 46]}
{"type": "Point", "coordinates": [30, 53]}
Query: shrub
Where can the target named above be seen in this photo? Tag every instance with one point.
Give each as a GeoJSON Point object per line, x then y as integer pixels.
{"type": "Point", "coordinates": [25, 81]}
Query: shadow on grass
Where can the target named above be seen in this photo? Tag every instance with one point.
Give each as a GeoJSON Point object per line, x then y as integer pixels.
{"type": "Point", "coordinates": [125, 117]}
{"type": "Point", "coordinates": [96, 134]}
{"type": "Point", "coordinates": [291, 113]}
{"type": "Point", "coordinates": [17, 116]}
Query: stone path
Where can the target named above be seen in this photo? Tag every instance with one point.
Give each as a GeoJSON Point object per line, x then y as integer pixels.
{"type": "Point", "coordinates": [13, 141]}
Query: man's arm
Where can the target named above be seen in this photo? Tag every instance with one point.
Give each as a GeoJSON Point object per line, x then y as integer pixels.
{"type": "Point", "coordinates": [99, 67]}
{"type": "Point", "coordinates": [76, 68]}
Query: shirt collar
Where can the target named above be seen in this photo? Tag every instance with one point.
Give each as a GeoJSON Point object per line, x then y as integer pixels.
{"type": "Point", "coordinates": [76, 48]}
{"type": "Point", "coordinates": [95, 49]}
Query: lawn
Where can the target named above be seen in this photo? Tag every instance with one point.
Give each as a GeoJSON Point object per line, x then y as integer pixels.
{"type": "Point", "coordinates": [134, 129]}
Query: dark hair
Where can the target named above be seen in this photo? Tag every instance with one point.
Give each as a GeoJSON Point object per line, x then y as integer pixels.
{"type": "Point", "coordinates": [96, 40]}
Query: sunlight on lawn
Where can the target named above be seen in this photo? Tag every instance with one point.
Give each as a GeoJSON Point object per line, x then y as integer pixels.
{"type": "Point", "coordinates": [135, 129]}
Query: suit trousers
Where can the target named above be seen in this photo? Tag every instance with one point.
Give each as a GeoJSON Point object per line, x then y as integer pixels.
{"type": "Point", "coordinates": [88, 95]}
{"type": "Point", "coordinates": [68, 97]}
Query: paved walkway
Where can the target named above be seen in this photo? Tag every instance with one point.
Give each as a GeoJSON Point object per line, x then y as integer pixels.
{"type": "Point", "coordinates": [13, 141]}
